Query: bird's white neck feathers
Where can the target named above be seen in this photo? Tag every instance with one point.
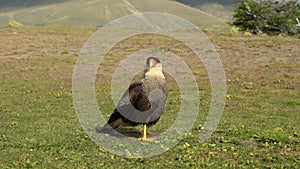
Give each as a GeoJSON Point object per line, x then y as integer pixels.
{"type": "Point", "coordinates": [155, 71]}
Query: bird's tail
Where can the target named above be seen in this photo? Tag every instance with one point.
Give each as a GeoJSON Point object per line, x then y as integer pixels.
{"type": "Point", "coordinates": [105, 129]}
{"type": "Point", "coordinates": [114, 121]}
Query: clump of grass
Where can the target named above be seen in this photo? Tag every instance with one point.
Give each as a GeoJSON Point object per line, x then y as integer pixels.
{"type": "Point", "coordinates": [13, 23]}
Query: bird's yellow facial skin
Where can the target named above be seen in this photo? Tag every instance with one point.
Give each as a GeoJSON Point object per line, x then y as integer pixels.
{"type": "Point", "coordinates": [153, 63]}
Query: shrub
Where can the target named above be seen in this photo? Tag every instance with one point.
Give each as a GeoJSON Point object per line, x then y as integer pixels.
{"type": "Point", "coordinates": [267, 16]}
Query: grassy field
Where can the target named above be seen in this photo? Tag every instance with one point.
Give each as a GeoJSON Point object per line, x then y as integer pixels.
{"type": "Point", "coordinates": [39, 127]}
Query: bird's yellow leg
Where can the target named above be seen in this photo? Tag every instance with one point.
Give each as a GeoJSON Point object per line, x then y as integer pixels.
{"type": "Point", "coordinates": [145, 132]}
{"type": "Point", "coordinates": [144, 137]}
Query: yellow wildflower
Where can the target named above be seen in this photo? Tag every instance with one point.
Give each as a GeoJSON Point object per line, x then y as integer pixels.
{"type": "Point", "coordinates": [186, 144]}
{"type": "Point", "coordinates": [277, 129]}
{"type": "Point", "coordinates": [228, 97]}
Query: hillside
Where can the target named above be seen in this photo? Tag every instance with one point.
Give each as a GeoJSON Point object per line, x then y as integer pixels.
{"type": "Point", "coordinates": [93, 12]}
{"type": "Point", "coordinates": [225, 3]}
{"type": "Point", "coordinates": [219, 8]}
{"type": "Point", "coordinates": [26, 3]}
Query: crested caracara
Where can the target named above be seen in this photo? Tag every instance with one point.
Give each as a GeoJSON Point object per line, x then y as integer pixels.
{"type": "Point", "coordinates": [143, 102]}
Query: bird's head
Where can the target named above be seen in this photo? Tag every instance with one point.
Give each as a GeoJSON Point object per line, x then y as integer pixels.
{"type": "Point", "coordinates": [153, 68]}
{"type": "Point", "coordinates": [153, 63]}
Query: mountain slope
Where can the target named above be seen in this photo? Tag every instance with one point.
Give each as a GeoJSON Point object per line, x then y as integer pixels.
{"type": "Point", "coordinates": [201, 2]}
{"type": "Point", "coordinates": [26, 3]}
{"type": "Point", "coordinates": [93, 12]}
{"type": "Point", "coordinates": [219, 8]}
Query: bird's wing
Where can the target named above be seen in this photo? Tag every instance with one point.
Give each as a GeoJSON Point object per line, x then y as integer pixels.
{"type": "Point", "coordinates": [132, 94]}
{"type": "Point", "coordinates": [132, 102]}
{"type": "Point", "coordinates": [140, 109]}
{"type": "Point", "coordinates": [125, 105]}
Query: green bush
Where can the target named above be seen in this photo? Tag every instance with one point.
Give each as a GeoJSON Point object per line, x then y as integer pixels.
{"type": "Point", "coordinates": [267, 16]}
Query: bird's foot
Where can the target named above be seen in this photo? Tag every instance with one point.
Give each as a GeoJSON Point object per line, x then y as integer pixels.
{"type": "Point", "coordinates": [146, 139]}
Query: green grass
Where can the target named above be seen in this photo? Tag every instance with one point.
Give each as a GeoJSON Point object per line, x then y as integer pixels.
{"type": "Point", "coordinates": [39, 127]}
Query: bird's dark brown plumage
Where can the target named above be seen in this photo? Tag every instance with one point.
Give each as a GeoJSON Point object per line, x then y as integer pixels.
{"type": "Point", "coordinates": [143, 102]}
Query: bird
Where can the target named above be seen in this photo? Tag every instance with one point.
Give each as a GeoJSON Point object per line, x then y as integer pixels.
{"type": "Point", "coordinates": [142, 103]}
